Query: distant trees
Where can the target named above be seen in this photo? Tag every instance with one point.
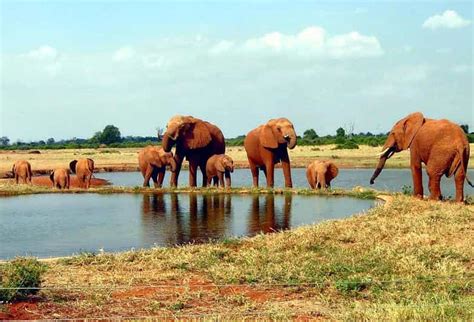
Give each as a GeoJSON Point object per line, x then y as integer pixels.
{"type": "Point", "coordinates": [50, 141]}
{"type": "Point", "coordinates": [110, 134]}
{"type": "Point", "coordinates": [465, 128]}
{"type": "Point", "coordinates": [340, 132]}
{"type": "Point", "coordinates": [4, 141]}
{"type": "Point", "coordinates": [310, 134]}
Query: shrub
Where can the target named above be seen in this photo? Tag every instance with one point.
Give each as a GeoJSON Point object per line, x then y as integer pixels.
{"type": "Point", "coordinates": [19, 274]}
{"type": "Point", "coordinates": [347, 145]}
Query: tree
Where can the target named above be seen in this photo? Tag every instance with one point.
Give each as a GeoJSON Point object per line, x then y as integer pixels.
{"type": "Point", "coordinates": [110, 134]}
{"type": "Point", "coordinates": [310, 134]}
{"type": "Point", "coordinates": [4, 140]}
{"type": "Point", "coordinates": [340, 132]}
{"type": "Point", "coordinates": [465, 128]}
{"type": "Point", "coordinates": [50, 141]}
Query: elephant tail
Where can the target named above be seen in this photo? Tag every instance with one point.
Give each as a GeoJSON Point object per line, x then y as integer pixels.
{"type": "Point", "coordinates": [320, 180]}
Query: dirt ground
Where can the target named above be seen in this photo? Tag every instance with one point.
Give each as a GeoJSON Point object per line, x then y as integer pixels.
{"type": "Point", "coordinates": [44, 181]}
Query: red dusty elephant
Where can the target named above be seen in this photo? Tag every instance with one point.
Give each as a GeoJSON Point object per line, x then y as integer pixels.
{"type": "Point", "coordinates": [60, 178]}
{"type": "Point", "coordinates": [267, 145]}
{"type": "Point", "coordinates": [152, 161]}
{"type": "Point", "coordinates": [440, 144]}
{"type": "Point", "coordinates": [22, 171]}
{"type": "Point", "coordinates": [320, 173]}
{"type": "Point", "coordinates": [219, 166]}
{"type": "Point", "coordinates": [196, 140]}
{"type": "Point", "coordinates": [83, 168]}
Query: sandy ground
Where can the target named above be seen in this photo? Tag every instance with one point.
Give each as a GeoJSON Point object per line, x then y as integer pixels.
{"type": "Point", "coordinates": [125, 159]}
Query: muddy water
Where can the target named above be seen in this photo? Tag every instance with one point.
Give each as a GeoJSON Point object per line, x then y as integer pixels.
{"type": "Point", "coordinates": [62, 224]}
{"type": "Point", "coordinates": [389, 179]}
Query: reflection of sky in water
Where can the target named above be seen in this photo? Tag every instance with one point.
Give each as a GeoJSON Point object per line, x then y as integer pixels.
{"type": "Point", "coordinates": [389, 179]}
{"type": "Point", "coordinates": [62, 224]}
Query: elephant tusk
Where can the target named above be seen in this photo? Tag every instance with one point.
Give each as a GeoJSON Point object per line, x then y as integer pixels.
{"type": "Point", "coordinates": [382, 153]}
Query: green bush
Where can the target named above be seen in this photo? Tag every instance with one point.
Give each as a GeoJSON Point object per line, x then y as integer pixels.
{"type": "Point", "coordinates": [346, 145]}
{"type": "Point", "coordinates": [18, 274]}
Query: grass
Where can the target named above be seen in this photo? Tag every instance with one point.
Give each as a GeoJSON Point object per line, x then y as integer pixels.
{"type": "Point", "coordinates": [408, 259]}
{"type": "Point", "coordinates": [17, 276]}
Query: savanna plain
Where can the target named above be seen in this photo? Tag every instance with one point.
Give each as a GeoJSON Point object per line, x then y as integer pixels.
{"type": "Point", "coordinates": [403, 259]}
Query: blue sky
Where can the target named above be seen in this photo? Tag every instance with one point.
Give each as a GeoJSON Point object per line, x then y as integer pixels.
{"type": "Point", "coordinates": [70, 69]}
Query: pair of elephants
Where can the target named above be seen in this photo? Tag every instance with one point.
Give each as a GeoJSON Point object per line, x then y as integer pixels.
{"type": "Point", "coordinates": [440, 144]}
{"type": "Point", "coordinates": [60, 177]}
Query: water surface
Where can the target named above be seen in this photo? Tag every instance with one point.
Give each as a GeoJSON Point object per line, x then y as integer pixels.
{"type": "Point", "coordinates": [62, 224]}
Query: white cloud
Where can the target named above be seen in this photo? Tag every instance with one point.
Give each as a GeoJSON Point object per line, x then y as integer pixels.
{"type": "Point", "coordinates": [314, 41]}
{"type": "Point", "coordinates": [221, 47]}
{"type": "Point", "coordinates": [123, 54]}
{"type": "Point", "coordinates": [449, 19]}
{"type": "Point", "coordinates": [43, 53]}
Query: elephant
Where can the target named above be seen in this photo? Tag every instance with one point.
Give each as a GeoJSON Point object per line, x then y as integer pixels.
{"type": "Point", "coordinates": [83, 168]}
{"type": "Point", "coordinates": [440, 144]}
{"type": "Point", "coordinates": [22, 171]}
{"type": "Point", "coordinates": [267, 145]}
{"type": "Point", "coordinates": [196, 140]}
{"type": "Point", "coordinates": [218, 166]}
{"type": "Point", "coordinates": [60, 178]}
{"type": "Point", "coordinates": [320, 173]}
{"type": "Point", "coordinates": [152, 161]}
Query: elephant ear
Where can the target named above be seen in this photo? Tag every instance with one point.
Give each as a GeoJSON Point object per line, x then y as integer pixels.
{"type": "Point", "coordinates": [268, 138]}
{"type": "Point", "coordinates": [220, 165]}
{"type": "Point", "coordinates": [156, 157]}
{"type": "Point", "coordinates": [411, 124]}
{"type": "Point", "coordinates": [72, 166]}
{"type": "Point", "coordinates": [90, 163]}
{"type": "Point", "coordinates": [333, 170]}
{"type": "Point", "coordinates": [51, 176]}
{"type": "Point", "coordinates": [198, 136]}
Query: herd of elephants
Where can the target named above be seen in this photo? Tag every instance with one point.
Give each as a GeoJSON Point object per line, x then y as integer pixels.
{"type": "Point", "coordinates": [440, 144]}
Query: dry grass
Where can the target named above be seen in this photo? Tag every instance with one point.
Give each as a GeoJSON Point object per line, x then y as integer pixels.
{"type": "Point", "coordinates": [410, 259]}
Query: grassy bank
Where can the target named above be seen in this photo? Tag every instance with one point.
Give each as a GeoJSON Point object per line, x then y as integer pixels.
{"type": "Point", "coordinates": [407, 259]}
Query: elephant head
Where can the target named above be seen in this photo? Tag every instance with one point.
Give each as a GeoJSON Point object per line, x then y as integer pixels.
{"type": "Point", "coordinates": [399, 139]}
{"type": "Point", "coordinates": [168, 159]}
{"type": "Point", "coordinates": [278, 131]}
{"type": "Point", "coordinates": [225, 164]}
{"type": "Point", "coordinates": [191, 132]}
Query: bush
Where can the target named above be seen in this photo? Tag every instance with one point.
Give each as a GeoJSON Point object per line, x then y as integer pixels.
{"type": "Point", "coordinates": [18, 274]}
{"type": "Point", "coordinates": [347, 145]}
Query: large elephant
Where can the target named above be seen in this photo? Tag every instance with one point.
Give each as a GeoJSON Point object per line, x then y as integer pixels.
{"type": "Point", "coordinates": [83, 168]}
{"type": "Point", "coordinates": [152, 161]}
{"type": "Point", "coordinates": [267, 145]}
{"type": "Point", "coordinates": [22, 171]}
{"type": "Point", "coordinates": [321, 173]}
{"type": "Point", "coordinates": [196, 140]}
{"type": "Point", "coordinates": [440, 144]}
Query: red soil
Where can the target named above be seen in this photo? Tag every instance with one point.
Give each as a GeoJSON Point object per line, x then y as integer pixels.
{"type": "Point", "coordinates": [44, 181]}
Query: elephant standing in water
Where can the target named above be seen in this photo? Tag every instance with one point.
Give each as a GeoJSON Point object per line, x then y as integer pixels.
{"type": "Point", "coordinates": [440, 144]}
{"type": "Point", "coordinates": [321, 173]}
{"type": "Point", "coordinates": [83, 168]}
{"type": "Point", "coordinates": [152, 161]}
{"type": "Point", "coordinates": [22, 171]}
{"type": "Point", "coordinates": [196, 140]}
{"type": "Point", "coordinates": [267, 145]}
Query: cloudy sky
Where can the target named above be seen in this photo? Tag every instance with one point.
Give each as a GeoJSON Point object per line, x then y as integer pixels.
{"type": "Point", "coordinates": [67, 70]}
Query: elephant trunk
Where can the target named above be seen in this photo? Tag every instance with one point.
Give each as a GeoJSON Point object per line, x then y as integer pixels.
{"type": "Point", "coordinates": [167, 143]}
{"type": "Point", "coordinates": [383, 158]}
{"type": "Point", "coordinates": [292, 140]}
{"type": "Point", "coordinates": [173, 165]}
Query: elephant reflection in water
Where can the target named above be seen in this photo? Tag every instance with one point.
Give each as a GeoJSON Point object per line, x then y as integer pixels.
{"type": "Point", "coordinates": [209, 220]}
{"type": "Point", "coordinates": [264, 218]}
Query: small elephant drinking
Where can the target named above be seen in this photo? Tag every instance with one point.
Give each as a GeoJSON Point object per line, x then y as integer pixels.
{"type": "Point", "coordinates": [83, 168]}
{"type": "Point", "coordinates": [152, 161]}
{"type": "Point", "coordinates": [320, 173]}
{"type": "Point", "coordinates": [22, 171]}
{"type": "Point", "coordinates": [217, 167]}
{"type": "Point", "coordinates": [60, 178]}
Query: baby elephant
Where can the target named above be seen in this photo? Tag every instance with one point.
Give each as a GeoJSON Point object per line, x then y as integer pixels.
{"type": "Point", "coordinates": [60, 178]}
{"type": "Point", "coordinates": [22, 170]}
{"type": "Point", "coordinates": [218, 166]}
{"type": "Point", "coordinates": [320, 173]}
{"type": "Point", "coordinates": [152, 161]}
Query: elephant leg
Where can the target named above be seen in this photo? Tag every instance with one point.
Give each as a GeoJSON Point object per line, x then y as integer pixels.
{"type": "Point", "coordinates": [220, 175]}
{"type": "Point", "coordinates": [415, 165]}
{"type": "Point", "coordinates": [209, 180]}
{"type": "Point", "coordinates": [147, 176]}
{"type": "Point", "coordinates": [270, 172]}
{"type": "Point", "coordinates": [285, 163]}
{"type": "Point", "coordinates": [228, 179]}
{"type": "Point", "coordinates": [161, 177]}
{"type": "Point", "coordinates": [204, 174]}
{"type": "Point", "coordinates": [174, 175]}
{"type": "Point", "coordinates": [254, 170]}
{"type": "Point", "coordinates": [434, 185]}
{"type": "Point", "coordinates": [88, 181]}
{"type": "Point", "coordinates": [215, 181]}
{"type": "Point", "coordinates": [16, 178]}
{"type": "Point", "coordinates": [192, 173]}
{"type": "Point", "coordinates": [459, 179]}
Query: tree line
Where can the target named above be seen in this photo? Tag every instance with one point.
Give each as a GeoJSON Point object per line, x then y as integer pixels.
{"type": "Point", "coordinates": [111, 136]}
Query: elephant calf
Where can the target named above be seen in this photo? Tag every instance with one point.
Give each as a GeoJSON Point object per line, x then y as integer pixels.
{"type": "Point", "coordinates": [22, 171]}
{"type": "Point", "coordinates": [152, 161]}
{"type": "Point", "coordinates": [60, 178]}
{"type": "Point", "coordinates": [321, 173]}
{"type": "Point", "coordinates": [218, 166]}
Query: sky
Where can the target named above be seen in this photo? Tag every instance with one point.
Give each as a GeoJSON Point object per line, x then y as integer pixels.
{"type": "Point", "coordinates": [69, 69]}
